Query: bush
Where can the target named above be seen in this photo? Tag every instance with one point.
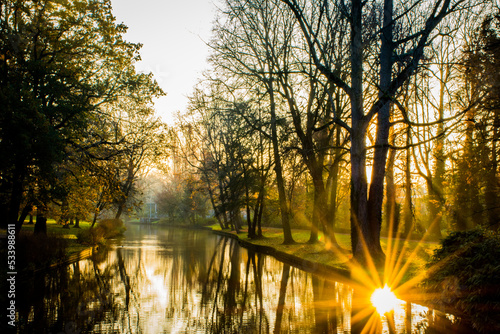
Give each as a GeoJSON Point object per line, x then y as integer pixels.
{"type": "Point", "coordinates": [207, 221]}
{"type": "Point", "coordinates": [105, 229]}
{"type": "Point", "coordinates": [465, 270]}
{"type": "Point", "coordinates": [91, 237]}
{"type": "Point", "coordinates": [111, 227]}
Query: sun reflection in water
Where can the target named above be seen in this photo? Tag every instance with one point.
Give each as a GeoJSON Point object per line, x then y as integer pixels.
{"type": "Point", "coordinates": [384, 300]}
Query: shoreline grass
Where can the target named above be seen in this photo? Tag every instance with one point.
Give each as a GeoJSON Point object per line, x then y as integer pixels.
{"type": "Point", "coordinates": [420, 251]}
{"type": "Point", "coordinates": [70, 234]}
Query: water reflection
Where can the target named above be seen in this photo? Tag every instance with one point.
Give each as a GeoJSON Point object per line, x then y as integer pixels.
{"type": "Point", "coordinates": [160, 280]}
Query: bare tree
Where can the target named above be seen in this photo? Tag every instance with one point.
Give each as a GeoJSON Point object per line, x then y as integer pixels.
{"type": "Point", "coordinates": [383, 61]}
{"type": "Point", "coordinates": [243, 49]}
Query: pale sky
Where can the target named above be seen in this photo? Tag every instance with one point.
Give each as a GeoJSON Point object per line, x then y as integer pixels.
{"type": "Point", "coordinates": [173, 34]}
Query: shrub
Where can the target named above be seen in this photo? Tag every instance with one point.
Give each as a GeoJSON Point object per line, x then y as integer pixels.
{"type": "Point", "coordinates": [105, 229]}
{"type": "Point", "coordinates": [465, 270]}
{"type": "Point", "coordinates": [91, 237]}
{"type": "Point", "coordinates": [207, 221]}
{"type": "Point", "coordinates": [111, 227]}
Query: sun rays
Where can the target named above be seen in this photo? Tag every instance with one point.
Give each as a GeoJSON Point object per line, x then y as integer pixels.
{"type": "Point", "coordinates": [380, 288]}
{"type": "Point", "coordinates": [384, 289]}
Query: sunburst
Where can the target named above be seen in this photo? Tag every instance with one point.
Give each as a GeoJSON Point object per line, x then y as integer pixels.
{"type": "Point", "coordinates": [381, 290]}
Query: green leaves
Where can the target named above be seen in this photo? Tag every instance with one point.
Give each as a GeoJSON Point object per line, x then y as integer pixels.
{"type": "Point", "coordinates": [63, 63]}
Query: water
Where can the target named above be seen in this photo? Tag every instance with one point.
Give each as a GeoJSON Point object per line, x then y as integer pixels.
{"type": "Point", "coordinates": [167, 280]}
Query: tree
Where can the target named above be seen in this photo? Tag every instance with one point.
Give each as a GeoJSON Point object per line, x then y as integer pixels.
{"type": "Point", "coordinates": [477, 178]}
{"type": "Point", "coordinates": [250, 66]}
{"type": "Point", "coordinates": [140, 146]}
{"type": "Point", "coordinates": [230, 157]}
{"type": "Point", "coordinates": [60, 64]}
{"type": "Point", "coordinates": [375, 43]}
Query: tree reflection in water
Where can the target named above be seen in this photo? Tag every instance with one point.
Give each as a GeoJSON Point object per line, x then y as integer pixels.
{"type": "Point", "coordinates": [181, 281]}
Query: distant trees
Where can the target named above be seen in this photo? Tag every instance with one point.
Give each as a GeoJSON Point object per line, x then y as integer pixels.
{"type": "Point", "coordinates": [182, 199]}
{"type": "Point", "coordinates": [229, 157]}
{"type": "Point", "coordinates": [61, 65]}
{"type": "Point", "coordinates": [141, 138]}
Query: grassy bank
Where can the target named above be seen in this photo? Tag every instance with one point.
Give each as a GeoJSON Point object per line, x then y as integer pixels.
{"type": "Point", "coordinates": [60, 244]}
{"type": "Point", "coordinates": [68, 234]}
{"type": "Point", "coordinates": [419, 252]}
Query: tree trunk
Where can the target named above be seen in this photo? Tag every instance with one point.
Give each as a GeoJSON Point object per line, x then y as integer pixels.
{"type": "Point", "coordinates": [434, 209]}
{"type": "Point", "coordinates": [41, 224]}
{"type": "Point", "coordinates": [313, 236]}
{"type": "Point", "coordinates": [408, 204]}
{"type": "Point", "coordinates": [332, 209]}
{"type": "Point", "coordinates": [237, 220]}
{"type": "Point", "coordinates": [212, 200]}
{"type": "Point", "coordinates": [376, 194]}
{"type": "Point", "coordinates": [119, 211]}
{"type": "Point", "coordinates": [320, 210]}
{"type": "Point", "coordinates": [127, 188]}
{"type": "Point", "coordinates": [24, 213]}
{"type": "Point", "coordinates": [285, 216]}
{"type": "Point", "coordinates": [333, 181]}
{"type": "Point", "coordinates": [99, 206]}
{"type": "Point", "coordinates": [359, 220]}
{"type": "Point", "coordinates": [77, 222]}
{"type": "Point", "coordinates": [222, 199]}
{"type": "Point", "coordinates": [391, 212]}
{"type": "Point", "coordinates": [251, 227]}
{"type": "Point", "coordinates": [257, 215]}
{"type": "Point", "coordinates": [259, 219]}
{"type": "Point", "coordinates": [492, 198]}
{"type": "Point", "coordinates": [65, 213]}
{"type": "Point", "coordinates": [436, 187]}
{"type": "Point", "coordinates": [94, 220]}
{"type": "Point", "coordinates": [16, 199]}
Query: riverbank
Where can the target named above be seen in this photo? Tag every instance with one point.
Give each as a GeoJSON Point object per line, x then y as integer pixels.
{"type": "Point", "coordinates": [60, 246]}
{"type": "Point", "coordinates": [69, 233]}
{"type": "Point", "coordinates": [316, 258]}
{"type": "Point", "coordinates": [308, 257]}
{"type": "Point", "coordinates": [407, 268]}
{"type": "Point", "coordinates": [327, 261]}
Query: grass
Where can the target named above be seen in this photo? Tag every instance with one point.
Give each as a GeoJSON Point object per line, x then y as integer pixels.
{"type": "Point", "coordinates": [418, 251]}
{"type": "Point", "coordinates": [55, 229]}
{"type": "Point", "coordinates": [35, 252]}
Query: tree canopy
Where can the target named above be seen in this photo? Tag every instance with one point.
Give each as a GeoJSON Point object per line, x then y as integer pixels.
{"type": "Point", "coordinates": [63, 65]}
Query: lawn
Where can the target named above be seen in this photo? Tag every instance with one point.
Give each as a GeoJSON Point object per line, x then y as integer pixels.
{"type": "Point", "coordinates": [419, 251]}
{"type": "Point", "coordinates": [55, 229]}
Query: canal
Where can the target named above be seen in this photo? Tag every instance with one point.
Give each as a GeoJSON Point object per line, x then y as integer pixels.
{"type": "Point", "coordinates": [170, 280]}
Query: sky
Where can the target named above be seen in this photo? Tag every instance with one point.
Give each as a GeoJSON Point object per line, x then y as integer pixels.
{"type": "Point", "coordinates": [174, 35]}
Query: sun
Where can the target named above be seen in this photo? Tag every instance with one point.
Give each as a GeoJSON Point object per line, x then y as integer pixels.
{"type": "Point", "coordinates": [384, 300]}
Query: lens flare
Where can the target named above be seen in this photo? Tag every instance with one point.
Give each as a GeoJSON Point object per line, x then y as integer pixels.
{"type": "Point", "coordinates": [384, 300]}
